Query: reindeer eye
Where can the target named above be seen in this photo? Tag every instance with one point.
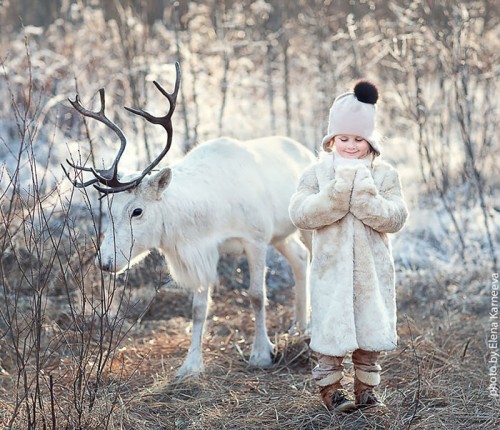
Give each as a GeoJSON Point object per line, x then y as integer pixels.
{"type": "Point", "coordinates": [136, 212]}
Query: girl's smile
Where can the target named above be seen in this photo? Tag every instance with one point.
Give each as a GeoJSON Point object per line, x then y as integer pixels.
{"type": "Point", "coordinates": [350, 146]}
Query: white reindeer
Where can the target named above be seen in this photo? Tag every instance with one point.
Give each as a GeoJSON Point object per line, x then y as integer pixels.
{"type": "Point", "coordinates": [224, 197]}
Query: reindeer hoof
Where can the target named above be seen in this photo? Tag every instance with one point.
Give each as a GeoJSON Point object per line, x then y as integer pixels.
{"type": "Point", "coordinates": [262, 359]}
{"type": "Point", "coordinates": [297, 329]}
{"type": "Point", "coordinates": [189, 371]}
{"type": "Point", "coordinates": [260, 362]}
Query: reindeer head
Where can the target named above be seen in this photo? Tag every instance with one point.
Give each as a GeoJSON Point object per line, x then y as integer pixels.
{"type": "Point", "coordinates": [135, 222]}
{"type": "Point", "coordinates": [134, 204]}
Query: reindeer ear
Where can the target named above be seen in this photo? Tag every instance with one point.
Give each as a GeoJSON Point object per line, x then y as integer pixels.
{"type": "Point", "coordinates": [158, 182]}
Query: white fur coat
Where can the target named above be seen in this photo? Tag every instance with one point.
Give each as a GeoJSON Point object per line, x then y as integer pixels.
{"type": "Point", "coordinates": [351, 208]}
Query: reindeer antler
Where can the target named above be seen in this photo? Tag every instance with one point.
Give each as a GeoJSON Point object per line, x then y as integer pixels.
{"type": "Point", "coordinates": [109, 177]}
{"type": "Point", "coordinates": [165, 121]}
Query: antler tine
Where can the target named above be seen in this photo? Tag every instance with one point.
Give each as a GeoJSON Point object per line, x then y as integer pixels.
{"type": "Point", "coordinates": [108, 176]}
{"type": "Point", "coordinates": [99, 177]}
{"type": "Point", "coordinates": [124, 187]}
{"type": "Point", "coordinates": [165, 121]}
{"type": "Point", "coordinates": [85, 169]}
{"type": "Point", "coordinates": [74, 181]}
{"type": "Point", "coordinates": [171, 97]}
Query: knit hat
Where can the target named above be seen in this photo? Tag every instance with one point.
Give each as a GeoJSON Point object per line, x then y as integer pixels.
{"type": "Point", "coordinates": [354, 113]}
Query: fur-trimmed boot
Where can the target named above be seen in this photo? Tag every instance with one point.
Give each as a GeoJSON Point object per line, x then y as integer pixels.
{"type": "Point", "coordinates": [365, 395]}
{"type": "Point", "coordinates": [337, 399]}
{"type": "Point", "coordinates": [367, 377]}
{"type": "Point", "coordinates": [328, 375]}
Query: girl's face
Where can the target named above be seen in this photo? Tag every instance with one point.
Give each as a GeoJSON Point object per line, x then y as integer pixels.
{"type": "Point", "coordinates": [350, 146]}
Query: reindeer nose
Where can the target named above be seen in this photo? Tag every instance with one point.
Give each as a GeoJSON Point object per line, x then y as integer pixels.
{"type": "Point", "coordinates": [107, 266]}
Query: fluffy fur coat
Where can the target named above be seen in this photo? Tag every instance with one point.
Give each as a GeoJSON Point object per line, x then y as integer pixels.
{"type": "Point", "coordinates": [351, 209]}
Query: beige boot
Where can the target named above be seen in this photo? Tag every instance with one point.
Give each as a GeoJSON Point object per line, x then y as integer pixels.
{"type": "Point", "coordinates": [367, 377]}
{"type": "Point", "coordinates": [337, 399]}
{"type": "Point", "coordinates": [328, 375]}
{"type": "Point", "coordinates": [365, 395]}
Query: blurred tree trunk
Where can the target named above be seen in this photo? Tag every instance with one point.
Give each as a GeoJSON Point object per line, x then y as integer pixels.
{"type": "Point", "coordinates": [270, 86]}
{"type": "Point", "coordinates": [191, 140]}
{"type": "Point", "coordinates": [133, 47]}
{"type": "Point", "coordinates": [284, 42]}
{"type": "Point", "coordinates": [220, 19]}
{"type": "Point", "coordinates": [177, 25]}
{"type": "Point", "coordinates": [286, 87]}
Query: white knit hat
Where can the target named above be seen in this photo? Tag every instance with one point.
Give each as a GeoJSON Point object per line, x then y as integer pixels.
{"type": "Point", "coordinates": [354, 113]}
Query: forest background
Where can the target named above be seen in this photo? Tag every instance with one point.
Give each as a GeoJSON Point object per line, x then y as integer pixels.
{"type": "Point", "coordinates": [83, 349]}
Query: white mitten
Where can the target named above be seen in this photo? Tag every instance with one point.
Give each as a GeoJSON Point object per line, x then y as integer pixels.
{"type": "Point", "coordinates": [344, 179]}
{"type": "Point", "coordinates": [363, 183]}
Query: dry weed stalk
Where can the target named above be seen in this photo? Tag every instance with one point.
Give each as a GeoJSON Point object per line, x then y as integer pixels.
{"type": "Point", "coordinates": [449, 103]}
{"type": "Point", "coordinates": [60, 361]}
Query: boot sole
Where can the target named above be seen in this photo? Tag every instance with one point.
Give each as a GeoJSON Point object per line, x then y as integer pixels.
{"type": "Point", "coordinates": [345, 407]}
{"type": "Point", "coordinates": [370, 406]}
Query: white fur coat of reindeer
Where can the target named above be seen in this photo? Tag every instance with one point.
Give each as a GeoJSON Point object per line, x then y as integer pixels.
{"type": "Point", "coordinates": [224, 197]}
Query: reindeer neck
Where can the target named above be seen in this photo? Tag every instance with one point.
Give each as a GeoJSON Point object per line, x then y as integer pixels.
{"type": "Point", "coordinates": [184, 204]}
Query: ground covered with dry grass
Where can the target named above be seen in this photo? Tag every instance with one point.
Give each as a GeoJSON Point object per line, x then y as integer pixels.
{"type": "Point", "coordinates": [83, 349]}
{"type": "Point", "coordinates": [435, 379]}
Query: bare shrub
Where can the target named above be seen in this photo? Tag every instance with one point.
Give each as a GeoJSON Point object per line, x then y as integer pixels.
{"type": "Point", "coordinates": [444, 77]}
{"type": "Point", "coordinates": [61, 320]}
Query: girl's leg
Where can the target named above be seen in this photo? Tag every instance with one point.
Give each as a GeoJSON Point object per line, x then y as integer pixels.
{"type": "Point", "coordinates": [328, 375]}
{"type": "Point", "coordinates": [330, 370]}
{"type": "Point", "coordinates": [367, 377]}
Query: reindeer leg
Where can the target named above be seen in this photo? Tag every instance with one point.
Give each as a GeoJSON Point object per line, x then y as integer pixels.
{"type": "Point", "coordinates": [193, 364]}
{"type": "Point", "coordinates": [298, 256]}
{"type": "Point", "coordinates": [262, 348]}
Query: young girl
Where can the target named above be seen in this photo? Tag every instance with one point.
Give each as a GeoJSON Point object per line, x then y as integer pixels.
{"type": "Point", "coordinates": [351, 200]}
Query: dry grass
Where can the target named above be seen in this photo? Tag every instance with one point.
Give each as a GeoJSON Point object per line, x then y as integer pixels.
{"type": "Point", "coordinates": [435, 380]}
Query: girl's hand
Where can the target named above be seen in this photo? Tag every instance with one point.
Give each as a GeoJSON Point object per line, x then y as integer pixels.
{"type": "Point", "coordinates": [312, 208]}
{"type": "Point", "coordinates": [363, 183]}
{"type": "Point", "coordinates": [384, 209]}
{"type": "Point", "coordinates": [344, 178]}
